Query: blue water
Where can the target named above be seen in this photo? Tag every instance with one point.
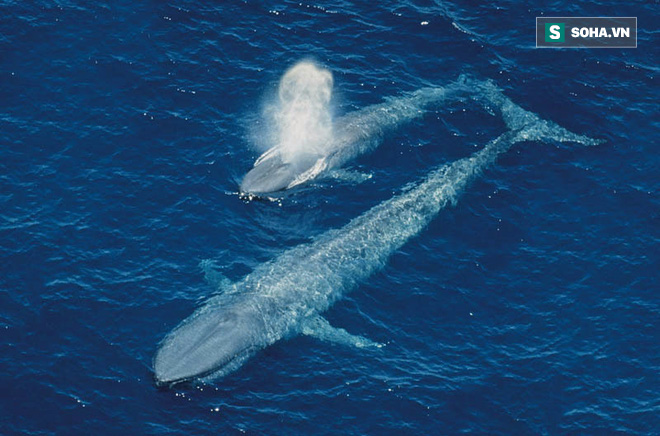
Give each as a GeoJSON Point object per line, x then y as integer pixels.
{"type": "Point", "coordinates": [530, 307]}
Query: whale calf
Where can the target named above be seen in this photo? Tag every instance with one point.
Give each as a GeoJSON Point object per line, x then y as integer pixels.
{"type": "Point", "coordinates": [333, 143]}
{"type": "Point", "coordinates": [287, 295]}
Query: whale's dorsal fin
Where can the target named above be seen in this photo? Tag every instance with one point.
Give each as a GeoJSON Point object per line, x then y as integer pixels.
{"type": "Point", "coordinates": [320, 328]}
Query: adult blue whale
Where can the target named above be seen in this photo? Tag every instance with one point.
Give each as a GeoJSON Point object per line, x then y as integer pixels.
{"type": "Point", "coordinates": [286, 296]}
{"type": "Point", "coordinates": [353, 135]}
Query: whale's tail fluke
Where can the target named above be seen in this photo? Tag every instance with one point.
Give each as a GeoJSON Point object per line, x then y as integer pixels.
{"type": "Point", "coordinates": [445, 183]}
{"type": "Point", "coordinates": [530, 127]}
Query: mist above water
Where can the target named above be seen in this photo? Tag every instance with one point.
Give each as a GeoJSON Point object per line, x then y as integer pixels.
{"type": "Point", "coordinates": [301, 115]}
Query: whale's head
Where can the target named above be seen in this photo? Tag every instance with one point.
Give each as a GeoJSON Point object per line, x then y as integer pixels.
{"type": "Point", "coordinates": [277, 170]}
{"type": "Point", "coordinates": [269, 175]}
{"type": "Point", "coordinates": [208, 342]}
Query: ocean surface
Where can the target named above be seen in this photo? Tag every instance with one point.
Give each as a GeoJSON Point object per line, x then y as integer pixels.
{"type": "Point", "coordinates": [530, 307]}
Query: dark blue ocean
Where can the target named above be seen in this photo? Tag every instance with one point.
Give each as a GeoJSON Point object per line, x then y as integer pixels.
{"type": "Point", "coordinates": [529, 307]}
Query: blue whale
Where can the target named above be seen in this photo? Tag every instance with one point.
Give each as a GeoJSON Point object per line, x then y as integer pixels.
{"type": "Point", "coordinates": [287, 295]}
{"type": "Point", "coordinates": [354, 134]}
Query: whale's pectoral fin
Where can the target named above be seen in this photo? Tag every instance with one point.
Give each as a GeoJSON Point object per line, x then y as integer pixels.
{"type": "Point", "coordinates": [320, 328]}
{"type": "Point", "coordinates": [350, 176]}
{"type": "Point", "coordinates": [212, 276]}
